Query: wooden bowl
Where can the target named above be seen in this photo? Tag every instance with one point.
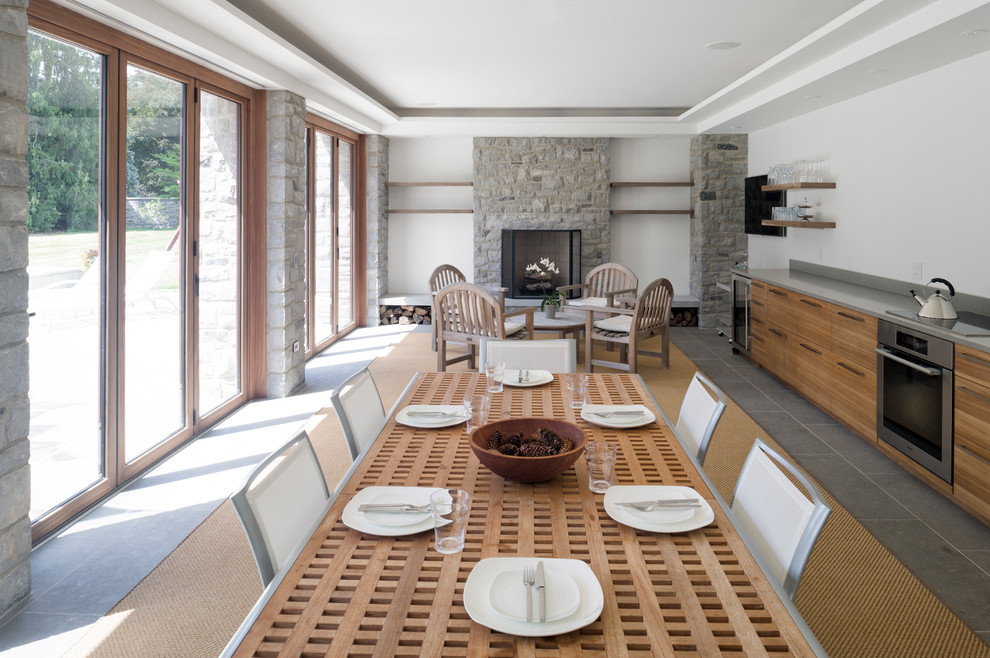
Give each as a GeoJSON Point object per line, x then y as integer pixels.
{"type": "Point", "coordinates": [527, 469]}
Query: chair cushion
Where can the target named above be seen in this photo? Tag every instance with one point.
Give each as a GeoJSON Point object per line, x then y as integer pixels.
{"type": "Point", "coordinates": [615, 323]}
{"type": "Point", "coordinates": [587, 301]}
{"type": "Point", "coordinates": [512, 327]}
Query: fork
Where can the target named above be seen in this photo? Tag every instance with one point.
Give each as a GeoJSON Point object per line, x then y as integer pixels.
{"type": "Point", "coordinates": [650, 505]}
{"type": "Point", "coordinates": [434, 414]}
{"type": "Point", "coordinates": [529, 578]}
{"type": "Point", "coordinates": [609, 414]}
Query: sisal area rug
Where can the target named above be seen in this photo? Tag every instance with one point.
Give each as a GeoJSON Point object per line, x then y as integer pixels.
{"type": "Point", "coordinates": [856, 597]}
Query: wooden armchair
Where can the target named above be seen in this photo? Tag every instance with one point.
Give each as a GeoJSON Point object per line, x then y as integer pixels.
{"type": "Point", "coordinates": [650, 316]}
{"type": "Point", "coordinates": [444, 275]}
{"type": "Point", "coordinates": [465, 313]}
{"type": "Point", "coordinates": [602, 285]}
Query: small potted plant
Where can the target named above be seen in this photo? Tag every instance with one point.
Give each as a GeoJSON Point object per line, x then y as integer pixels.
{"type": "Point", "coordinates": [551, 302]}
{"type": "Point", "coordinates": [543, 272]}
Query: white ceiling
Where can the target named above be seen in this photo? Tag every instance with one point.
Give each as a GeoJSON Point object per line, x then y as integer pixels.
{"type": "Point", "coordinates": [602, 67]}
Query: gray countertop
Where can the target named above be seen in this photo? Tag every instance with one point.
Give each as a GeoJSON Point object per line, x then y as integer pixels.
{"type": "Point", "coordinates": [865, 299]}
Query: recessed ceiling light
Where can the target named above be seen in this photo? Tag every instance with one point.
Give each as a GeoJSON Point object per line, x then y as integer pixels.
{"type": "Point", "coordinates": [876, 71]}
{"type": "Point", "coordinates": [813, 97]}
{"type": "Point", "coordinates": [974, 33]}
{"type": "Point", "coordinates": [735, 127]}
{"type": "Point", "coordinates": [426, 104]}
{"type": "Point", "coordinates": [723, 45]}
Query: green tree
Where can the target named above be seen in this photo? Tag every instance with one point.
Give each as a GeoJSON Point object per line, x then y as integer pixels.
{"type": "Point", "coordinates": [64, 92]}
{"type": "Point", "coordinates": [154, 134]}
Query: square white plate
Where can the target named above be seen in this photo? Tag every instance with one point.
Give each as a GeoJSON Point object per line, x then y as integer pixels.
{"type": "Point", "coordinates": [403, 416]}
{"type": "Point", "coordinates": [361, 522]}
{"type": "Point", "coordinates": [590, 413]}
{"type": "Point", "coordinates": [699, 518]}
{"type": "Point", "coordinates": [532, 378]}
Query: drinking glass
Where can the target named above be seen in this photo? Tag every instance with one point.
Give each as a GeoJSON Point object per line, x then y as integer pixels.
{"type": "Point", "coordinates": [577, 389]}
{"type": "Point", "coordinates": [476, 411]}
{"type": "Point", "coordinates": [495, 376]}
{"type": "Point", "coordinates": [601, 465]}
{"type": "Point", "coordinates": [451, 509]}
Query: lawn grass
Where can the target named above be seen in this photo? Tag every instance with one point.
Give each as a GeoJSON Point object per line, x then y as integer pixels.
{"type": "Point", "coordinates": [67, 250]}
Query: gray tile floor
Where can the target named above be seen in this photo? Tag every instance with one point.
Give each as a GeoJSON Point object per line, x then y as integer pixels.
{"type": "Point", "coordinates": [946, 548]}
{"type": "Point", "coordinates": [81, 573]}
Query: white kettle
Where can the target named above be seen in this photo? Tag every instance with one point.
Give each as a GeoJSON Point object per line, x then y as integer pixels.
{"type": "Point", "coordinates": [936, 306]}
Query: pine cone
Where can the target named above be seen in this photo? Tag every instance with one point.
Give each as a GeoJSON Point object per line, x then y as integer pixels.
{"type": "Point", "coordinates": [535, 449]}
{"type": "Point", "coordinates": [508, 449]}
{"type": "Point", "coordinates": [515, 439]}
{"type": "Point", "coordinates": [495, 440]}
{"type": "Point", "coordinates": [566, 445]}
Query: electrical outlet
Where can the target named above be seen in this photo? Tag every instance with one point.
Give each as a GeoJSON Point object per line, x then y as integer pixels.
{"type": "Point", "coordinates": [916, 270]}
{"type": "Point", "coordinates": [295, 346]}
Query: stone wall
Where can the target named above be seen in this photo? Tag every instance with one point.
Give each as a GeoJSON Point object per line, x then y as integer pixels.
{"type": "Point", "coordinates": [15, 484]}
{"type": "Point", "coordinates": [719, 164]}
{"type": "Point", "coordinates": [540, 183]}
{"type": "Point", "coordinates": [376, 157]}
{"type": "Point", "coordinates": [286, 229]}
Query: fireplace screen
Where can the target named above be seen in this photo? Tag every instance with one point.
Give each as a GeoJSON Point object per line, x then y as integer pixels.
{"type": "Point", "coordinates": [523, 249]}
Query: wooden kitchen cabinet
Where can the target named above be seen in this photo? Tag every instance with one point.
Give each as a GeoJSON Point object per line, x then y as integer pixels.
{"type": "Point", "coordinates": [853, 393]}
{"type": "Point", "coordinates": [814, 319]}
{"type": "Point", "coordinates": [812, 367]}
{"type": "Point", "coordinates": [780, 308]}
{"type": "Point", "coordinates": [971, 481]}
{"type": "Point", "coordinates": [854, 336]}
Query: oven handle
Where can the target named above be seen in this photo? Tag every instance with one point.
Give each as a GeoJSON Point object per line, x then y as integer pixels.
{"type": "Point", "coordinates": [887, 354]}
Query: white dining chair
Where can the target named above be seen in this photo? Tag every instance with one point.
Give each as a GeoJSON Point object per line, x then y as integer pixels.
{"type": "Point", "coordinates": [777, 518]}
{"type": "Point", "coordinates": [280, 502]}
{"type": "Point", "coordinates": [699, 414]}
{"type": "Point", "coordinates": [360, 410]}
{"type": "Point", "coordinates": [557, 355]}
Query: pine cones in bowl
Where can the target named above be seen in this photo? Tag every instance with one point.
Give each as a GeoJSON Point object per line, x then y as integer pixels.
{"type": "Point", "coordinates": [528, 449]}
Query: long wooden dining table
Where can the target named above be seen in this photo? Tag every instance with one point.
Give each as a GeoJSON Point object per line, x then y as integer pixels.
{"type": "Point", "coordinates": [351, 593]}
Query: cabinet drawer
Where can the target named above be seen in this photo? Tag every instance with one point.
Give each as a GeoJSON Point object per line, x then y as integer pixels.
{"type": "Point", "coordinates": [854, 336]}
{"type": "Point", "coordinates": [758, 346]}
{"type": "Point", "coordinates": [814, 319]}
{"type": "Point", "coordinates": [854, 397]}
{"type": "Point", "coordinates": [812, 372]}
{"type": "Point", "coordinates": [758, 310]}
{"type": "Point", "coordinates": [971, 480]}
{"type": "Point", "coordinates": [758, 290]}
{"type": "Point", "coordinates": [778, 359]}
{"type": "Point", "coordinates": [780, 307]}
{"type": "Point", "coordinates": [973, 364]}
{"type": "Point", "coordinates": [971, 420]}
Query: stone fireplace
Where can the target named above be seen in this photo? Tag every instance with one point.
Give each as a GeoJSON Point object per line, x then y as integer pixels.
{"type": "Point", "coordinates": [551, 184]}
{"type": "Point", "coordinates": [522, 248]}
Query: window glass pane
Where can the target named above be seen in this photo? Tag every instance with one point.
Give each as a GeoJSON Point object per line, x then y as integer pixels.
{"type": "Point", "coordinates": [153, 338]}
{"type": "Point", "coordinates": [323, 273]}
{"type": "Point", "coordinates": [219, 254]}
{"type": "Point", "coordinates": [345, 224]}
{"type": "Point", "coordinates": [65, 91]}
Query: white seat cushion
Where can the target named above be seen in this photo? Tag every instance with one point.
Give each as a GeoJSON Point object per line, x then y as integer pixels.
{"type": "Point", "coordinates": [615, 323]}
{"type": "Point", "coordinates": [512, 327]}
{"type": "Point", "coordinates": [587, 301]}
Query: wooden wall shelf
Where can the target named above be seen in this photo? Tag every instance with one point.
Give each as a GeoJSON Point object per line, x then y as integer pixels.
{"type": "Point", "coordinates": [799, 186]}
{"type": "Point", "coordinates": [653, 184]}
{"type": "Point", "coordinates": [774, 222]}
{"type": "Point", "coordinates": [652, 212]}
{"type": "Point", "coordinates": [434, 184]}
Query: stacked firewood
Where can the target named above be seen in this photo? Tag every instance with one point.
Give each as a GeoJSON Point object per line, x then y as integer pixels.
{"type": "Point", "coordinates": [404, 315]}
{"type": "Point", "coordinates": [683, 317]}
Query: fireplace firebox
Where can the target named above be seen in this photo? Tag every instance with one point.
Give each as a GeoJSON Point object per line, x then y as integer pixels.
{"type": "Point", "coordinates": [522, 248]}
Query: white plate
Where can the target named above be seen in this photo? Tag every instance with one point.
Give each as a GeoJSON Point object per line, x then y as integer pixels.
{"type": "Point", "coordinates": [698, 517]}
{"type": "Point", "coordinates": [478, 604]}
{"type": "Point", "coordinates": [588, 412]}
{"type": "Point", "coordinates": [533, 378]}
{"type": "Point", "coordinates": [425, 421]}
{"type": "Point", "coordinates": [394, 519]}
{"type": "Point", "coordinates": [362, 522]}
{"type": "Point", "coordinates": [508, 594]}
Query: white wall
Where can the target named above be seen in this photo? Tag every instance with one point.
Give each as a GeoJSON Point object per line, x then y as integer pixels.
{"type": "Point", "coordinates": [653, 246]}
{"type": "Point", "coordinates": [417, 243]}
{"type": "Point", "coordinates": [912, 174]}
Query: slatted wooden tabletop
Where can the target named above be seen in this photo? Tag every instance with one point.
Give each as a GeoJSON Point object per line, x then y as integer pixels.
{"type": "Point", "coordinates": [356, 594]}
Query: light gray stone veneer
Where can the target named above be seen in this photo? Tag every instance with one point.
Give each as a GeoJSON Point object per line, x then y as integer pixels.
{"type": "Point", "coordinates": [376, 158]}
{"type": "Point", "coordinates": [719, 164]}
{"type": "Point", "coordinates": [540, 183]}
{"type": "Point", "coordinates": [286, 229]}
{"type": "Point", "coordinates": [15, 484]}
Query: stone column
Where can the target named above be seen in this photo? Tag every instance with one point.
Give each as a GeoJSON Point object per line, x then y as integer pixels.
{"type": "Point", "coordinates": [719, 164]}
{"type": "Point", "coordinates": [15, 416]}
{"type": "Point", "coordinates": [376, 150]}
{"type": "Point", "coordinates": [286, 226]}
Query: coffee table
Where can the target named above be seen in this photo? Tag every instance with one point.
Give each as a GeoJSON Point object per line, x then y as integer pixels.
{"type": "Point", "coordinates": [562, 324]}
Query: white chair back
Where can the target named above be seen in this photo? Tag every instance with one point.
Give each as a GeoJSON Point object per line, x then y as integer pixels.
{"type": "Point", "coordinates": [781, 523]}
{"type": "Point", "coordinates": [556, 355]}
{"type": "Point", "coordinates": [360, 410]}
{"type": "Point", "coordinates": [280, 502]}
{"type": "Point", "coordinates": [699, 415]}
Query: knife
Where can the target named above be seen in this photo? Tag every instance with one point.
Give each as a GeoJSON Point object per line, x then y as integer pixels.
{"type": "Point", "coordinates": [541, 590]}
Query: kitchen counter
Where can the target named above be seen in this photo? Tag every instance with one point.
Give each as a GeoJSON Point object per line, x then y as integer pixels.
{"type": "Point", "coordinates": [863, 298]}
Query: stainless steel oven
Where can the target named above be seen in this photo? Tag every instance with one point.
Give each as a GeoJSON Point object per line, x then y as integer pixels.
{"type": "Point", "coordinates": [914, 395]}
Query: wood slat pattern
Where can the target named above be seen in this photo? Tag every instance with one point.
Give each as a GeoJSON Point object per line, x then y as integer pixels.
{"type": "Point", "coordinates": [696, 593]}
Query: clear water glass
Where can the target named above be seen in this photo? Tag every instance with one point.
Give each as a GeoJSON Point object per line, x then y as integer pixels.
{"type": "Point", "coordinates": [495, 376]}
{"type": "Point", "coordinates": [451, 509]}
{"type": "Point", "coordinates": [600, 458]}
